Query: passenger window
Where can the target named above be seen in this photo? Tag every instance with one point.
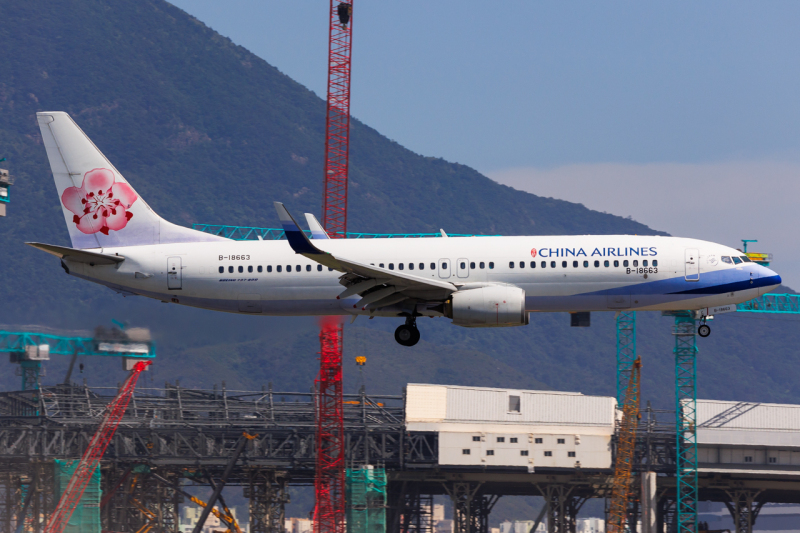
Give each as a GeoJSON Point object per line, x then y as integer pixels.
{"type": "Point", "coordinates": [464, 265]}
{"type": "Point", "coordinates": [726, 259]}
{"type": "Point", "coordinates": [625, 263]}
{"type": "Point", "coordinates": [260, 268]}
{"type": "Point", "coordinates": [482, 264]}
{"type": "Point", "coordinates": [241, 269]}
{"type": "Point", "coordinates": [636, 262]}
{"type": "Point", "coordinates": [230, 270]}
{"type": "Point", "coordinates": [574, 264]}
{"type": "Point", "coordinates": [544, 264]}
{"type": "Point", "coordinates": [444, 266]}
{"type": "Point", "coordinates": [511, 264]}
{"type": "Point", "coordinates": [522, 264]}
{"type": "Point", "coordinates": [736, 260]}
{"type": "Point", "coordinates": [308, 268]}
{"type": "Point", "coordinates": [400, 266]}
{"type": "Point", "coordinates": [279, 268]}
{"type": "Point", "coordinates": [250, 268]}
{"type": "Point", "coordinates": [411, 266]}
{"type": "Point", "coordinates": [746, 259]}
{"type": "Point", "coordinates": [269, 268]}
{"type": "Point", "coordinates": [381, 265]}
{"type": "Point", "coordinates": [422, 266]}
{"type": "Point", "coordinates": [298, 268]}
{"type": "Point", "coordinates": [491, 265]}
{"type": "Point", "coordinates": [319, 268]}
{"type": "Point", "coordinates": [644, 263]}
{"type": "Point", "coordinates": [655, 262]}
{"type": "Point", "coordinates": [391, 266]}
{"type": "Point", "coordinates": [606, 263]}
{"type": "Point", "coordinates": [564, 264]}
{"type": "Point", "coordinates": [472, 265]}
{"type": "Point", "coordinates": [597, 264]}
{"type": "Point", "coordinates": [330, 269]}
{"type": "Point", "coordinates": [288, 268]}
{"type": "Point", "coordinates": [616, 263]}
{"type": "Point", "coordinates": [533, 264]}
{"type": "Point", "coordinates": [221, 270]}
{"type": "Point", "coordinates": [586, 264]}
{"type": "Point", "coordinates": [433, 266]}
{"type": "Point", "coordinates": [552, 264]}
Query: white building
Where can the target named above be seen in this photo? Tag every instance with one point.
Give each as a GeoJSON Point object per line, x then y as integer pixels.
{"type": "Point", "coordinates": [502, 427]}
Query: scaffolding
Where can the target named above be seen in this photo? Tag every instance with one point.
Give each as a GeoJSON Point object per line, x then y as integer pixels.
{"type": "Point", "coordinates": [86, 516]}
{"type": "Point", "coordinates": [626, 351]}
{"type": "Point", "coordinates": [366, 500]}
{"type": "Point", "coordinates": [686, 420]}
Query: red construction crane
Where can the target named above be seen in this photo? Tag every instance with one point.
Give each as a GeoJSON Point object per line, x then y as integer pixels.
{"type": "Point", "coordinates": [94, 452]}
{"type": "Point", "coordinates": [329, 482]}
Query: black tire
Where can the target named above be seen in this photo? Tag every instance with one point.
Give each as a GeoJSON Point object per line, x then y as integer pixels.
{"type": "Point", "coordinates": [406, 335]}
{"type": "Point", "coordinates": [704, 330]}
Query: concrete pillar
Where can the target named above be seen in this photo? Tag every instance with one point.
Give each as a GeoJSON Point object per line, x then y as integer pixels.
{"type": "Point", "coordinates": [649, 501]}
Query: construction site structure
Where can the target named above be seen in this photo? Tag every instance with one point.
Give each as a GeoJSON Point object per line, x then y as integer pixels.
{"type": "Point", "coordinates": [94, 453]}
{"type": "Point", "coordinates": [366, 499]}
{"type": "Point", "coordinates": [622, 489]}
{"type": "Point", "coordinates": [251, 233]}
{"type": "Point", "coordinates": [5, 185]}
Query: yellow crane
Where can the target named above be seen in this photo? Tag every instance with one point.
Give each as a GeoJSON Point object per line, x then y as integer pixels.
{"type": "Point", "coordinates": [622, 486]}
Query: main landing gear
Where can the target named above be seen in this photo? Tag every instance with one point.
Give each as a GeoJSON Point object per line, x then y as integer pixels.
{"type": "Point", "coordinates": [407, 334]}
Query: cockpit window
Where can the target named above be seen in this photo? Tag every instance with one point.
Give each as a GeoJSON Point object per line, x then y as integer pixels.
{"type": "Point", "coordinates": [736, 260]}
{"type": "Point", "coordinates": [726, 259]}
{"type": "Point", "coordinates": [746, 259]}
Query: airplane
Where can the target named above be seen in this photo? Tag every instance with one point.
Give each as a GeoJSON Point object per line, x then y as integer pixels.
{"type": "Point", "coordinates": [120, 242]}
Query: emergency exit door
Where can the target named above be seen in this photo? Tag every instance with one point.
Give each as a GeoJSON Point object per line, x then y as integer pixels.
{"type": "Point", "coordinates": [173, 273]}
{"type": "Point", "coordinates": [692, 264]}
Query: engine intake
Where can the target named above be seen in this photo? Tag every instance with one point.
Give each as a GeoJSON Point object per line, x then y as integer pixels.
{"type": "Point", "coordinates": [488, 307]}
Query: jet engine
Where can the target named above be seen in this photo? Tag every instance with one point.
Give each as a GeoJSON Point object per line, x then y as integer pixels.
{"type": "Point", "coordinates": [488, 307]}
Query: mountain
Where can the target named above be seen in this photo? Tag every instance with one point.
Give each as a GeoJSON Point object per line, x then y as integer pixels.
{"type": "Point", "coordinates": [208, 132]}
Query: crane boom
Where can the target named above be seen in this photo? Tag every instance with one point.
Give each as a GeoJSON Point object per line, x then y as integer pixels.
{"type": "Point", "coordinates": [622, 487]}
{"type": "Point", "coordinates": [94, 452]}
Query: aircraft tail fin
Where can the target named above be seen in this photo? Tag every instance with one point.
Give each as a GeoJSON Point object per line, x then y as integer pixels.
{"type": "Point", "coordinates": [100, 207]}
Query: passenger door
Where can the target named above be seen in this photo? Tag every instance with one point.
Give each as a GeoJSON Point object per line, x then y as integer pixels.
{"type": "Point", "coordinates": [174, 273]}
{"type": "Point", "coordinates": [444, 268]}
{"type": "Point", "coordinates": [462, 268]}
{"type": "Point", "coordinates": [692, 264]}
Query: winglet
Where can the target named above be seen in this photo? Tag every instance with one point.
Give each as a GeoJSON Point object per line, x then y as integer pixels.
{"type": "Point", "coordinates": [317, 232]}
{"type": "Point", "coordinates": [298, 240]}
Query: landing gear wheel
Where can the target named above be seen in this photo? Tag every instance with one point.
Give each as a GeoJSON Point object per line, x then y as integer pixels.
{"type": "Point", "coordinates": [406, 335]}
{"type": "Point", "coordinates": [704, 330]}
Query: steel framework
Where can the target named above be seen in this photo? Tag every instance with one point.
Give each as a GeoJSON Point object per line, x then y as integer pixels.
{"type": "Point", "coordinates": [94, 452]}
{"type": "Point", "coordinates": [626, 351]}
{"type": "Point", "coordinates": [245, 233]}
{"type": "Point", "coordinates": [772, 303]}
{"type": "Point", "coordinates": [686, 420]}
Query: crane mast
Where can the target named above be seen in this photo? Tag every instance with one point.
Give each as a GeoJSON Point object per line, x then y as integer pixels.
{"type": "Point", "coordinates": [622, 486]}
{"type": "Point", "coordinates": [329, 484]}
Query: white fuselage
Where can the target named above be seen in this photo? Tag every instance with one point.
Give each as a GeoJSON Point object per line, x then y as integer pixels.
{"type": "Point", "coordinates": [268, 277]}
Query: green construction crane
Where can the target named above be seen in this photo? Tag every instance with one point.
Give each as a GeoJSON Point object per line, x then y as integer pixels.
{"type": "Point", "coordinates": [29, 349]}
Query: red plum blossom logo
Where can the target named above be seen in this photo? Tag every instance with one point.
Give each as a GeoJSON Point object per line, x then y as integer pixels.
{"type": "Point", "coordinates": [100, 203]}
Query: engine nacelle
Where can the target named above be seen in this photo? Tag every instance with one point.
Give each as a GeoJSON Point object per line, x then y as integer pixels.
{"type": "Point", "coordinates": [488, 307]}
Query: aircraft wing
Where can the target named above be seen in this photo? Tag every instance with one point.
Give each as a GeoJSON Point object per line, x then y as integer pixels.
{"type": "Point", "coordinates": [377, 286]}
{"type": "Point", "coordinates": [81, 256]}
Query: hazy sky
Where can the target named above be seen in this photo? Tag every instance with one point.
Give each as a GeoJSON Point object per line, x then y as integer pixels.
{"type": "Point", "coordinates": [684, 115]}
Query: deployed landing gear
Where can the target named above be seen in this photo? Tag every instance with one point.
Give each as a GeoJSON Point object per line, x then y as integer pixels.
{"type": "Point", "coordinates": [704, 330]}
{"type": "Point", "coordinates": [407, 334]}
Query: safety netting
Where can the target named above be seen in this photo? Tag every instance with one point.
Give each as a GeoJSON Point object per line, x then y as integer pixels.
{"type": "Point", "coordinates": [86, 518]}
{"type": "Point", "coordinates": [365, 491]}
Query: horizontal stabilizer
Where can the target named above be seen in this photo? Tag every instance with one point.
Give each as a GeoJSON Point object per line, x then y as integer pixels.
{"type": "Point", "coordinates": [80, 256]}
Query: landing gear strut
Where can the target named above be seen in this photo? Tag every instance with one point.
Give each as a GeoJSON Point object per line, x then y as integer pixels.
{"type": "Point", "coordinates": [407, 334]}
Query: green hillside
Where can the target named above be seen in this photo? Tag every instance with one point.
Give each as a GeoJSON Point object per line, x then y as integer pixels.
{"type": "Point", "coordinates": [207, 132]}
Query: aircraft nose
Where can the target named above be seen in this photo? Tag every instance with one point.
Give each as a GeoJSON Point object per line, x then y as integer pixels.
{"type": "Point", "coordinates": [768, 279]}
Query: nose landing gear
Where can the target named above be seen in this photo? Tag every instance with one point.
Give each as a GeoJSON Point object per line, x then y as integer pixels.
{"type": "Point", "coordinates": [407, 334]}
{"type": "Point", "coordinates": [704, 330]}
